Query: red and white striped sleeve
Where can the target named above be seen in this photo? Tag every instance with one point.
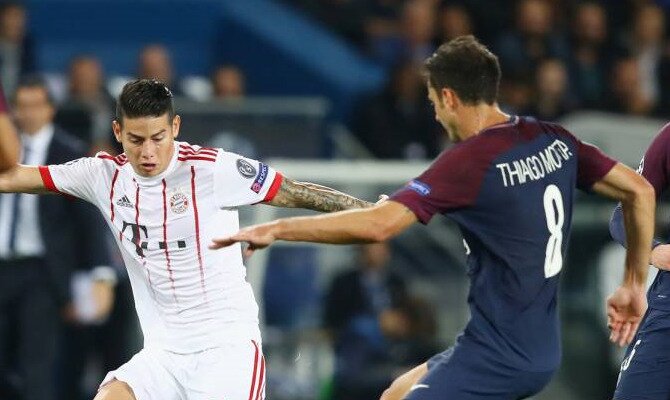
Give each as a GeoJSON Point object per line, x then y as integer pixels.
{"type": "Point", "coordinates": [240, 181]}
{"type": "Point", "coordinates": [75, 178]}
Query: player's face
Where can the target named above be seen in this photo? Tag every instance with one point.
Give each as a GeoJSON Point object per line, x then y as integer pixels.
{"type": "Point", "coordinates": [148, 142]}
{"type": "Point", "coordinates": [444, 114]}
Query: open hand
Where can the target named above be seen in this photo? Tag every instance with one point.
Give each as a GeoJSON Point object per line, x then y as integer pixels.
{"type": "Point", "coordinates": [625, 309]}
{"type": "Point", "coordinates": [258, 237]}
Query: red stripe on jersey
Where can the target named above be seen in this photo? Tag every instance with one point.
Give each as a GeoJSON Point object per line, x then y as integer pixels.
{"type": "Point", "coordinates": [120, 162]}
{"type": "Point", "coordinates": [207, 152]}
{"type": "Point", "coordinates": [274, 188]}
{"type": "Point", "coordinates": [139, 235]}
{"type": "Point", "coordinates": [111, 195]}
{"type": "Point", "coordinates": [189, 147]}
{"type": "Point", "coordinates": [186, 158]}
{"type": "Point", "coordinates": [47, 180]}
{"type": "Point", "coordinates": [253, 375]}
{"type": "Point", "coordinates": [197, 231]}
{"type": "Point", "coordinates": [263, 391]}
{"type": "Point", "coordinates": [165, 241]}
{"type": "Point", "coordinates": [137, 214]}
{"type": "Point", "coordinates": [261, 378]}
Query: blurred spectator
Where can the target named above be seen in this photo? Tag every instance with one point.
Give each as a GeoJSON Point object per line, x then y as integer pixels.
{"type": "Point", "coordinates": [551, 91]}
{"type": "Point", "coordinates": [155, 62]}
{"type": "Point", "coordinates": [516, 93]}
{"type": "Point", "coordinates": [228, 82]}
{"type": "Point", "coordinates": [589, 64]}
{"type": "Point", "coordinates": [626, 94]}
{"type": "Point", "coordinates": [398, 123]}
{"type": "Point", "coordinates": [454, 21]}
{"type": "Point", "coordinates": [378, 330]}
{"type": "Point", "coordinates": [16, 47]}
{"type": "Point", "coordinates": [87, 93]}
{"type": "Point", "coordinates": [646, 44]}
{"type": "Point", "coordinates": [35, 271]}
{"type": "Point", "coordinates": [533, 40]}
{"type": "Point", "coordinates": [414, 41]}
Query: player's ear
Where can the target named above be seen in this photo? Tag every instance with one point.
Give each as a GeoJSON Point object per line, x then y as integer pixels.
{"type": "Point", "coordinates": [451, 100]}
{"type": "Point", "coordinates": [176, 123]}
{"type": "Point", "coordinates": [116, 128]}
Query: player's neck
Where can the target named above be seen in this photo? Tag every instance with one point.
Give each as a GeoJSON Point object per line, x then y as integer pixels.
{"type": "Point", "coordinates": [480, 117]}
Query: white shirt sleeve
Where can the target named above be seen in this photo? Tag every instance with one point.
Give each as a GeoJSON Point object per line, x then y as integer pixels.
{"type": "Point", "coordinates": [240, 181]}
{"type": "Point", "coordinates": [75, 178]}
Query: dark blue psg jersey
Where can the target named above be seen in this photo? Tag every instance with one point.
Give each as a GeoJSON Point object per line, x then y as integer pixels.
{"type": "Point", "coordinates": [655, 167]}
{"type": "Point", "coordinates": [511, 191]}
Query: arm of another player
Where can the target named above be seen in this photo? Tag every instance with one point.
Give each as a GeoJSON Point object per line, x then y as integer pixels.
{"type": "Point", "coordinates": [22, 179]}
{"type": "Point", "coordinates": [9, 143]}
{"type": "Point", "coordinates": [315, 197]}
{"type": "Point", "coordinates": [627, 305]}
{"type": "Point", "coordinates": [373, 224]}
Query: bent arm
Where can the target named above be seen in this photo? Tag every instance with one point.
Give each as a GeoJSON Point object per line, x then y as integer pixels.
{"type": "Point", "coordinates": [22, 179]}
{"type": "Point", "coordinates": [9, 144]}
{"type": "Point", "coordinates": [315, 197]}
{"type": "Point", "coordinates": [638, 204]}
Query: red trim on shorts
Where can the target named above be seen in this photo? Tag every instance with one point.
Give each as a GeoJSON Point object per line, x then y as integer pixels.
{"type": "Point", "coordinates": [47, 179]}
{"type": "Point", "coordinates": [165, 242]}
{"type": "Point", "coordinates": [261, 379]}
{"type": "Point", "coordinates": [197, 231]}
{"type": "Point", "coordinates": [253, 375]}
{"type": "Point", "coordinates": [274, 188]}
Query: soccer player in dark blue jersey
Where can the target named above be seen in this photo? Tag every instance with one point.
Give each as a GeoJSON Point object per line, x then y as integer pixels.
{"type": "Point", "coordinates": [643, 371]}
{"type": "Point", "coordinates": [509, 182]}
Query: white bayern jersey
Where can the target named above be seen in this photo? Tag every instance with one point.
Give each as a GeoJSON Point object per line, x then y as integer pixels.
{"type": "Point", "coordinates": [188, 298]}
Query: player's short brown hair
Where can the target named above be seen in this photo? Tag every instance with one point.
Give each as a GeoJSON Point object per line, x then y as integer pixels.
{"type": "Point", "coordinates": [467, 67]}
{"type": "Point", "coordinates": [144, 98]}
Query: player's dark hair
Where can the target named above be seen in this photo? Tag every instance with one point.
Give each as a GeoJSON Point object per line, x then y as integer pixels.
{"type": "Point", "coordinates": [467, 67]}
{"type": "Point", "coordinates": [33, 82]}
{"type": "Point", "coordinates": [144, 98]}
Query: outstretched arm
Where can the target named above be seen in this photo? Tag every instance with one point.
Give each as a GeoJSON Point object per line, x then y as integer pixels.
{"type": "Point", "coordinates": [627, 305]}
{"type": "Point", "coordinates": [9, 141]}
{"type": "Point", "coordinates": [373, 224]}
{"type": "Point", "coordinates": [22, 179]}
{"type": "Point", "coordinates": [315, 197]}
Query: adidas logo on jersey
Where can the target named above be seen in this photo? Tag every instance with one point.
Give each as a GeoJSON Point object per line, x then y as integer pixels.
{"type": "Point", "coordinates": [124, 202]}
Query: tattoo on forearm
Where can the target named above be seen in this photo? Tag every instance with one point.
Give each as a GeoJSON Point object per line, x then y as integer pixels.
{"type": "Point", "coordinates": [315, 197]}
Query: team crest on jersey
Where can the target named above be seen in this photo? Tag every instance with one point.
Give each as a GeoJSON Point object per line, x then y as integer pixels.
{"type": "Point", "coordinates": [245, 168]}
{"type": "Point", "coordinates": [178, 203]}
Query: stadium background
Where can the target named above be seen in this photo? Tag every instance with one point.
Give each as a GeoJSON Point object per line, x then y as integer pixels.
{"type": "Point", "coordinates": [335, 81]}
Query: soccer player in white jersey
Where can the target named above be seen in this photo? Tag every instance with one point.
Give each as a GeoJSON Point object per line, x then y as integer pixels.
{"type": "Point", "coordinates": [164, 201]}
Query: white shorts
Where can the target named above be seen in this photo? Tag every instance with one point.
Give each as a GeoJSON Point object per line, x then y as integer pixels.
{"type": "Point", "coordinates": [230, 372]}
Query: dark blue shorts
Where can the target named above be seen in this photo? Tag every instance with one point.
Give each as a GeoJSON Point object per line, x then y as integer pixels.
{"type": "Point", "coordinates": [645, 371]}
{"type": "Point", "coordinates": [463, 373]}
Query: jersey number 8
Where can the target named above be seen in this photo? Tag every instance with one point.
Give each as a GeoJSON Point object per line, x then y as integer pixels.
{"type": "Point", "coordinates": [553, 209]}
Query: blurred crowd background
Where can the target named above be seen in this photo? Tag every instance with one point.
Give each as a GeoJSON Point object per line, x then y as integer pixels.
{"type": "Point", "coordinates": [337, 81]}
